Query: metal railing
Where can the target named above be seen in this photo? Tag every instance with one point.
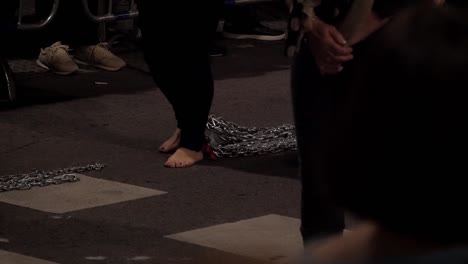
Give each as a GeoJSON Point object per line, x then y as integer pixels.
{"type": "Point", "coordinates": [19, 25]}
{"type": "Point", "coordinates": [244, 2]}
{"type": "Point", "coordinates": [39, 25]}
{"type": "Point", "coordinates": [110, 15]}
{"type": "Point", "coordinates": [7, 84]}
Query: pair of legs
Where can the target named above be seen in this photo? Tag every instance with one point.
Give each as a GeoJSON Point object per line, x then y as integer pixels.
{"type": "Point", "coordinates": [70, 25]}
{"type": "Point", "coordinates": [314, 98]}
{"type": "Point", "coordinates": [177, 53]}
{"type": "Point", "coordinates": [8, 12]}
{"type": "Point", "coordinates": [7, 17]}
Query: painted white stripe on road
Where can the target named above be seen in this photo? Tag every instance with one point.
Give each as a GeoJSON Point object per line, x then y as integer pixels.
{"type": "Point", "coordinates": [87, 193]}
{"type": "Point", "coordinates": [14, 258]}
{"type": "Point", "coordinates": [272, 237]}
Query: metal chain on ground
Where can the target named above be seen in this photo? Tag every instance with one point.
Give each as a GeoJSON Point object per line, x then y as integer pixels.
{"type": "Point", "coordinates": [231, 140]}
{"type": "Point", "coordinates": [43, 178]}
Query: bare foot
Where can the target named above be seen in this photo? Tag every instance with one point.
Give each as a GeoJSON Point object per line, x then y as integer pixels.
{"type": "Point", "coordinates": [184, 158]}
{"type": "Point", "coordinates": [172, 143]}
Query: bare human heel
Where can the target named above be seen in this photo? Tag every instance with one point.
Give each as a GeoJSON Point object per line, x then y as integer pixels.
{"type": "Point", "coordinates": [172, 144]}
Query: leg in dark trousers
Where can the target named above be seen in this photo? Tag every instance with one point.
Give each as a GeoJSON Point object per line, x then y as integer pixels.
{"type": "Point", "coordinates": [177, 53]}
{"type": "Point", "coordinates": [313, 102]}
{"type": "Point", "coordinates": [8, 19]}
{"type": "Point", "coordinates": [71, 26]}
{"type": "Point", "coordinates": [8, 12]}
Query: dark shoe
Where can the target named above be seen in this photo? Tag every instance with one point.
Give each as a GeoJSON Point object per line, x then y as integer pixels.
{"type": "Point", "coordinates": [258, 32]}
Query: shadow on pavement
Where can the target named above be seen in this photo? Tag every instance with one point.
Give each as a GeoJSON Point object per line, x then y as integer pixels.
{"type": "Point", "coordinates": [47, 88]}
{"type": "Point", "coordinates": [284, 165]}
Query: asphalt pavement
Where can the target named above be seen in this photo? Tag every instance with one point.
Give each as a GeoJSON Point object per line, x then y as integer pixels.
{"type": "Point", "coordinates": [233, 210]}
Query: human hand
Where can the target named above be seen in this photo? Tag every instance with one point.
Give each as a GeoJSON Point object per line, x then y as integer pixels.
{"type": "Point", "coordinates": [328, 46]}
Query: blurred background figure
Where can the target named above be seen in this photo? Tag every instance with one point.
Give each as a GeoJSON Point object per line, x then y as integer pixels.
{"type": "Point", "coordinates": [394, 154]}
{"type": "Point", "coordinates": [72, 28]}
{"type": "Point", "coordinates": [323, 58]}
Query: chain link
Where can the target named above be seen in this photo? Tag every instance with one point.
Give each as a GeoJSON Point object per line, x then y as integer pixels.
{"type": "Point", "coordinates": [43, 178]}
{"type": "Point", "coordinates": [226, 138]}
{"type": "Point", "coordinates": [231, 140]}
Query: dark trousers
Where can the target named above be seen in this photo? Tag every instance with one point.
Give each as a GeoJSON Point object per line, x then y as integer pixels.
{"type": "Point", "coordinates": [71, 26]}
{"type": "Point", "coordinates": [242, 16]}
{"type": "Point", "coordinates": [8, 12]}
{"type": "Point", "coordinates": [314, 100]}
{"type": "Point", "coordinates": [177, 53]}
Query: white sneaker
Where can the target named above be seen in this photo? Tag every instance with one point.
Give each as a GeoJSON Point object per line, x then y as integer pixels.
{"type": "Point", "coordinates": [57, 59]}
{"type": "Point", "coordinates": [99, 56]}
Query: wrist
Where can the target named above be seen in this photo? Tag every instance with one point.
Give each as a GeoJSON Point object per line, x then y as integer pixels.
{"type": "Point", "coordinates": [311, 24]}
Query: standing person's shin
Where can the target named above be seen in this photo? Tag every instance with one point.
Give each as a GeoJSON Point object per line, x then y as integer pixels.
{"type": "Point", "coordinates": [312, 103]}
{"type": "Point", "coordinates": [197, 105]}
{"type": "Point", "coordinates": [177, 53]}
{"type": "Point", "coordinates": [199, 87]}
